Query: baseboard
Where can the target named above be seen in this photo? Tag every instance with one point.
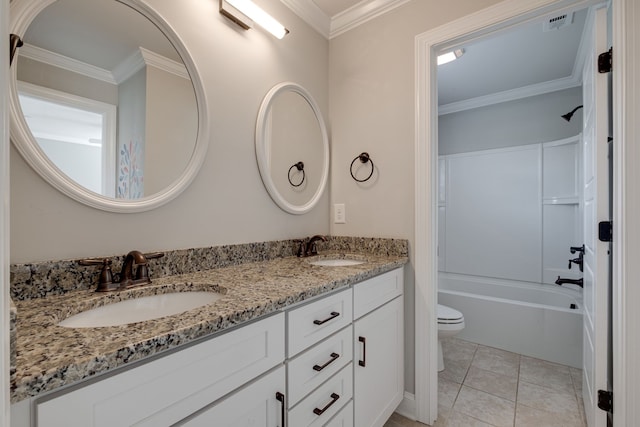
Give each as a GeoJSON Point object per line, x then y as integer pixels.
{"type": "Point", "coordinates": [407, 407]}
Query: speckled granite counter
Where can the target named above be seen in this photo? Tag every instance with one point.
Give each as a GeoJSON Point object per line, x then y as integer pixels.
{"type": "Point", "coordinates": [50, 356]}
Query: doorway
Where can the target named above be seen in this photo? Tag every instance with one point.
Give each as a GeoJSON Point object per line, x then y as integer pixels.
{"type": "Point", "coordinates": [499, 17]}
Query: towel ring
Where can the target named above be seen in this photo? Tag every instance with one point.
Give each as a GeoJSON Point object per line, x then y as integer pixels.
{"type": "Point", "coordinates": [300, 167]}
{"type": "Point", "coordinates": [364, 158]}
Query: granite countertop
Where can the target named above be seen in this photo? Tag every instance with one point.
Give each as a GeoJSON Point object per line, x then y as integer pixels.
{"type": "Point", "coordinates": [50, 356]}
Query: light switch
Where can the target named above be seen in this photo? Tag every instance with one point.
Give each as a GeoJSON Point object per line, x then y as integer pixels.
{"type": "Point", "coordinates": [339, 213]}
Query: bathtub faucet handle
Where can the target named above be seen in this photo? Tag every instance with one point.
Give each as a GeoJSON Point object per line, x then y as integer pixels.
{"type": "Point", "coordinates": [574, 249]}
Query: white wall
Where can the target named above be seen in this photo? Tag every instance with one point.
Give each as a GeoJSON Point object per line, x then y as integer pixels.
{"type": "Point", "coordinates": [227, 202]}
{"type": "Point", "coordinates": [372, 109]}
{"type": "Point", "coordinates": [521, 122]}
{"type": "Point", "coordinates": [171, 127]}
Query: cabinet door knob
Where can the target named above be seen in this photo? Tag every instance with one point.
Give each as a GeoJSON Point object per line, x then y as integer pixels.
{"type": "Point", "coordinates": [334, 357]}
{"type": "Point", "coordinates": [334, 314]}
{"type": "Point", "coordinates": [334, 399]}
{"type": "Point", "coordinates": [363, 362]}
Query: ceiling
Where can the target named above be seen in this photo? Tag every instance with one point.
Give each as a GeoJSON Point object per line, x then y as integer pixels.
{"type": "Point", "coordinates": [522, 61]}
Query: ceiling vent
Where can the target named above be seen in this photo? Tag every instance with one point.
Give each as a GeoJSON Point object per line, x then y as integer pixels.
{"type": "Point", "coordinates": [557, 22]}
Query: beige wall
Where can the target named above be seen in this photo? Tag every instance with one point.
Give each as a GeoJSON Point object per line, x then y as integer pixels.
{"type": "Point", "coordinates": [171, 128]}
{"type": "Point", "coordinates": [371, 91]}
{"type": "Point", "coordinates": [227, 202]}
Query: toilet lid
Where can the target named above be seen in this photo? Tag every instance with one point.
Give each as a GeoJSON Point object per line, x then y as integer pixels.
{"type": "Point", "coordinates": [449, 315]}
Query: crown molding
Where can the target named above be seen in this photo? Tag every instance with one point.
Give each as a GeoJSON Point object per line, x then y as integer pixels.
{"type": "Point", "coordinates": [361, 13]}
{"type": "Point", "coordinates": [572, 81]}
{"type": "Point", "coordinates": [41, 55]}
{"type": "Point", "coordinates": [331, 27]}
{"type": "Point", "coordinates": [144, 57]}
{"type": "Point", "coordinates": [123, 71]}
{"type": "Point", "coordinates": [311, 14]}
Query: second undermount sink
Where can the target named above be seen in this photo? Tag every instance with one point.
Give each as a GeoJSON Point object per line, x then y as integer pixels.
{"type": "Point", "coordinates": [140, 309]}
{"type": "Point", "coordinates": [337, 262]}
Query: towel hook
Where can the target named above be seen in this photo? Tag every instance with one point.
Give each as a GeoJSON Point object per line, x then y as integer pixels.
{"type": "Point", "coordinates": [300, 167]}
{"type": "Point", "coordinates": [364, 158]}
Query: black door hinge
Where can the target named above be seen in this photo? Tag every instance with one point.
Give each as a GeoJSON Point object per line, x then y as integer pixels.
{"type": "Point", "coordinates": [605, 400]}
{"type": "Point", "coordinates": [605, 61]}
{"type": "Point", "coordinates": [605, 231]}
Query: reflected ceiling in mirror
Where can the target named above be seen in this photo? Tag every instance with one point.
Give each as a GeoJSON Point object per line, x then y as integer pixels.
{"type": "Point", "coordinates": [292, 148]}
{"type": "Point", "coordinates": [105, 105]}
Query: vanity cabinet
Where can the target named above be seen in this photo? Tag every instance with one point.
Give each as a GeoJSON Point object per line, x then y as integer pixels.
{"type": "Point", "coordinates": [171, 388]}
{"type": "Point", "coordinates": [319, 364]}
{"type": "Point", "coordinates": [334, 361]}
{"type": "Point", "coordinates": [352, 376]}
{"type": "Point", "coordinates": [378, 348]}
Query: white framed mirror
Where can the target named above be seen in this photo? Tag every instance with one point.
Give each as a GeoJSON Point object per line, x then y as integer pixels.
{"type": "Point", "coordinates": [106, 103]}
{"type": "Point", "coordinates": [292, 148]}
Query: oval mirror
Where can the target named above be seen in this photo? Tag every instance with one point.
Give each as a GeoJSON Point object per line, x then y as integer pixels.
{"type": "Point", "coordinates": [106, 103]}
{"type": "Point", "coordinates": [292, 148]}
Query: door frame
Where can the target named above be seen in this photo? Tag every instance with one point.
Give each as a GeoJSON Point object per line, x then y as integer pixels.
{"type": "Point", "coordinates": [4, 218]}
{"type": "Point", "coordinates": [626, 204]}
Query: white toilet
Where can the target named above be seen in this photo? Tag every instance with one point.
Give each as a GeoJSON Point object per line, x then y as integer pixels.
{"type": "Point", "coordinates": [450, 323]}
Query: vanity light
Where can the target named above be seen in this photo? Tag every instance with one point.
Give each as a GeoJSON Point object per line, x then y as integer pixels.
{"type": "Point", "coordinates": [450, 56]}
{"type": "Point", "coordinates": [245, 13]}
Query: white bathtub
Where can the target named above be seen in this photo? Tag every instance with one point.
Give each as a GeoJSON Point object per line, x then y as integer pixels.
{"type": "Point", "coordinates": [527, 318]}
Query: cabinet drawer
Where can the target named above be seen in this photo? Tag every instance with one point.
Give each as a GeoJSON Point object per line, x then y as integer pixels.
{"type": "Point", "coordinates": [311, 368]}
{"type": "Point", "coordinates": [170, 388]}
{"type": "Point", "coordinates": [321, 405]}
{"type": "Point", "coordinates": [344, 417]}
{"type": "Point", "coordinates": [373, 293]}
{"type": "Point", "coordinates": [315, 321]}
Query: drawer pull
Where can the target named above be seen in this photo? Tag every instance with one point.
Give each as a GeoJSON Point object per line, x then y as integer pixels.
{"type": "Point", "coordinates": [363, 362]}
{"type": "Point", "coordinates": [334, 314]}
{"type": "Point", "coordinates": [334, 399]}
{"type": "Point", "coordinates": [334, 357]}
{"type": "Point", "coordinates": [280, 398]}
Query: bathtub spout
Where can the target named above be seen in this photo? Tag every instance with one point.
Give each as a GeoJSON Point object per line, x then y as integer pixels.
{"type": "Point", "coordinates": [561, 281]}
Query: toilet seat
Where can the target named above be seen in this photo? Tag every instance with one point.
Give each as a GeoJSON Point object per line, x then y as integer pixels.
{"type": "Point", "coordinates": [448, 315]}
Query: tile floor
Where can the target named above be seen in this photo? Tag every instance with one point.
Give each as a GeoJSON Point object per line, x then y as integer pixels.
{"type": "Point", "coordinates": [484, 387]}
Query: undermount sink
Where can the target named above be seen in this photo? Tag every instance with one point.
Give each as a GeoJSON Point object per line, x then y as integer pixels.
{"type": "Point", "coordinates": [140, 309]}
{"type": "Point", "coordinates": [336, 262]}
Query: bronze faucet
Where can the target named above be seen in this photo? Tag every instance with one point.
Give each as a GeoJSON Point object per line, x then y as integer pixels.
{"type": "Point", "coordinates": [310, 247]}
{"type": "Point", "coordinates": [138, 259]}
{"type": "Point", "coordinates": [127, 277]}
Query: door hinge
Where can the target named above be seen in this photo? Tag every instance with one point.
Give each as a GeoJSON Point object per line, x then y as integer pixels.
{"type": "Point", "coordinates": [605, 231]}
{"type": "Point", "coordinates": [605, 61]}
{"type": "Point", "coordinates": [605, 400]}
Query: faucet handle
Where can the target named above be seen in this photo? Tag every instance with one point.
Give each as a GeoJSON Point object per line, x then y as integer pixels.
{"type": "Point", "coordinates": [154, 255]}
{"type": "Point", "coordinates": [142, 269]}
{"type": "Point", "coordinates": [301, 248]}
{"type": "Point", "coordinates": [106, 276]}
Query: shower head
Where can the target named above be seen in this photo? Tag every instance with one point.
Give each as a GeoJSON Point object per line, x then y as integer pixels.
{"type": "Point", "coordinates": [568, 116]}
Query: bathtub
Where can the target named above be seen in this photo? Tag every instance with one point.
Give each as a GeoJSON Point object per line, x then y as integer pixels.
{"type": "Point", "coordinates": [526, 318]}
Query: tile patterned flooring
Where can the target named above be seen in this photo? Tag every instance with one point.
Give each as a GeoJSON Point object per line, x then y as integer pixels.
{"type": "Point", "coordinates": [484, 387]}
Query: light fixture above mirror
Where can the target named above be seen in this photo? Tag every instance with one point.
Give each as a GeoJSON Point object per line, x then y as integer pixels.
{"type": "Point", "coordinates": [245, 13]}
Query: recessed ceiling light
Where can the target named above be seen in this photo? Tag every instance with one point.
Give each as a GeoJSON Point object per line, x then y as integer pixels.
{"type": "Point", "coordinates": [450, 56]}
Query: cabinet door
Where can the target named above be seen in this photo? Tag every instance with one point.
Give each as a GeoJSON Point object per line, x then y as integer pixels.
{"type": "Point", "coordinates": [170, 388]}
{"type": "Point", "coordinates": [260, 404]}
{"type": "Point", "coordinates": [379, 364]}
